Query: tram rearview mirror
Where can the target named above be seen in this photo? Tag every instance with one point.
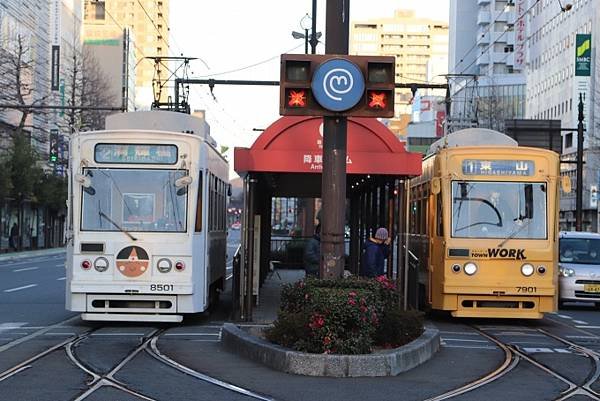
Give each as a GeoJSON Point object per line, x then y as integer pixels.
{"type": "Point", "coordinates": [565, 184]}
{"type": "Point", "coordinates": [436, 185]}
{"type": "Point", "coordinates": [83, 180]}
{"type": "Point", "coordinates": [183, 181]}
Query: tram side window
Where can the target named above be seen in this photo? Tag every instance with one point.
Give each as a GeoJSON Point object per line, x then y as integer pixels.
{"type": "Point", "coordinates": [199, 205]}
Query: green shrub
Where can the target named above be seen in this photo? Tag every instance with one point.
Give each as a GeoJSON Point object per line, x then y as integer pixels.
{"type": "Point", "coordinates": [398, 327]}
{"type": "Point", "coordinates": [341, 316]}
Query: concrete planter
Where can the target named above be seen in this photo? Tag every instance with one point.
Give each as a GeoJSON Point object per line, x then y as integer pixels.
{"type": "Point", "coordinates": [382, 363]}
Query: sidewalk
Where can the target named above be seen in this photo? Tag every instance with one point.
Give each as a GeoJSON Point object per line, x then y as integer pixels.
{"type": "Point", "coordinates": [270, 292]}
{"type": "Point", "coordinates": [4, 257]}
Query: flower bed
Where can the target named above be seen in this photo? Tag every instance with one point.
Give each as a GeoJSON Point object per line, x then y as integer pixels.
{"type": "Point", "coordinates": [343, 316]}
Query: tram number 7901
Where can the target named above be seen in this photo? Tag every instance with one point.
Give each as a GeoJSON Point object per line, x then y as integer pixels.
{"type": "Point", "coordinates": [527, 289]}
{"type": "Point", "coordinates": [162, 287]}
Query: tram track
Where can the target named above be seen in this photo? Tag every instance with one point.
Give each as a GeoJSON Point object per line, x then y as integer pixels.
{"type": "Point", "coordinates": [148, 344]}
{"type": "Point", "coordinates": [513, 355]}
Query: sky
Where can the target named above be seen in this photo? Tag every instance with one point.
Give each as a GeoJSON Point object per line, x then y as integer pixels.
{"type": "Point", "coordinates": [229, 35]}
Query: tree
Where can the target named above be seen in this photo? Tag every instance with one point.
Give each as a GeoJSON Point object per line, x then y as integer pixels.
{"type": "Point", "coordinates": [17, 77]}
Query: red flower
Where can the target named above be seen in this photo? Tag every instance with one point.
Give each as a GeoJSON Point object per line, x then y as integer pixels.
{"type": "Point", "coordinates": [363, 308]}
{"type": "Point", "coordinates": [351, 301]}
{"type": "Point", "coordinates": [317, 321]}
{"type": "Point", "coordinates": [326, 340]}
{"type": "Point", "coordinates": [352, 293]}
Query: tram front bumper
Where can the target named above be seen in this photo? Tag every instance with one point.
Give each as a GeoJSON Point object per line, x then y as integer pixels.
{"type": "Point", "coordinates": [527, 307]}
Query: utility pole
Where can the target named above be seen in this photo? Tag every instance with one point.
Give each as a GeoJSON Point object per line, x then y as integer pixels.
{"type": "Point", "coordinates": [333, 189]}
{"type": "Point", "coordinates": [313, 31]}
{"type": "Point", "coordinates": [579, 189]}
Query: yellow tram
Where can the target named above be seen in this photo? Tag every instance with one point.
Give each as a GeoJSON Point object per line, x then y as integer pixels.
{"type": "Point", "coordinates": [483, 226]}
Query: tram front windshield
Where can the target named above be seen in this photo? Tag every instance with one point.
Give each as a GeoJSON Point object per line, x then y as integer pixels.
{"type": "Point", "coordinates": [142, 200]}
{"type": "Point", "coordinates": [483, 209]}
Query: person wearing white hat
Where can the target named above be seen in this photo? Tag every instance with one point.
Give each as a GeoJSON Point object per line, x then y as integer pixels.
{"type": "Point", "coordinates": [375, 251]}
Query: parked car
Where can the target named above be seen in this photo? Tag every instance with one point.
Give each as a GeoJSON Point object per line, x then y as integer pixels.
{"type": "Point", "coordinates": [579, 267]}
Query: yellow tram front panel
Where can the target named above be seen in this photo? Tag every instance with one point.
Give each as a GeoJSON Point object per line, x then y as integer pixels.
{"type": "Point", "coordinates": [493, 232]}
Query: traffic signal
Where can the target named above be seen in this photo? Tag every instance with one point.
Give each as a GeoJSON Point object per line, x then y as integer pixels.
{"type": "Point", "coordinates": [53, 153]}
{"type": "Point", "coordinates": [337, 85]}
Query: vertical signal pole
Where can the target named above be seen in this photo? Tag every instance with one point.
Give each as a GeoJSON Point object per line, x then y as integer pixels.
{"type": "Point", "coordinates": [313, 29]}
{"type": "Point", "coordinates": [333, 187]}
{"type": "Point", "coordinates": [579, 189]}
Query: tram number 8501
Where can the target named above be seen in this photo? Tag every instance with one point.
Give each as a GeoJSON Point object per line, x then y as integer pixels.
{"type": "Point", "coordinates": [527, 289]}
{"type": "Point", "coordinates": [162, 287]}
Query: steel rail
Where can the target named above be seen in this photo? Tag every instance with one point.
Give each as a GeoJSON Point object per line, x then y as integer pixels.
{"type": "Point", "coordinates": [155, 352]}
{"type": "Point", "coordinates": [573, 388]}
{"type": "Point", "coordinates": [511, 360]}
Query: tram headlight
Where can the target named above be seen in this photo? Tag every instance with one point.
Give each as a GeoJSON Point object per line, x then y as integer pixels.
{"type": "Point", "coordinates": [164, 265]}
{"type": "Point", "coordinates": [470, 268]}
{"type": "Point", "coordinates": [527, 269]}
{"type": "Point", "coordinates": [179, 266]}
{"type": "Point", "coordinates": [456, 268]}
{"type": "Point", "coordinates": [541, 269]}
{"type": "Point", "coordinates": [86, 264]}
{"type": "Point", "coordinates": [566, 271]}
{"type": "Point", "coordinates": [101, 264]}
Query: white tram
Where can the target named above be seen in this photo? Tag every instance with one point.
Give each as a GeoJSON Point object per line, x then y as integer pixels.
{"type": "Point", "coordinates": [147, 219]}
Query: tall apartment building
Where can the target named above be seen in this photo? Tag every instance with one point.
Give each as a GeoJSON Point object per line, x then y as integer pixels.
{"type": "Point", "coordinates": [553, 88]}
{"type": "Point", "coordinates": [412, 40]}
{"type": "Point", "coordinates": [487, 62]}
{"type": "Point", "coordinates": [148, 22]}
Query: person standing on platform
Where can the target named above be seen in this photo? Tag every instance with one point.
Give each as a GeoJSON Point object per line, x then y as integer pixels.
{"type": "Point", "coordinates": [312, 254]}
{"type": "Point", "coordinates": [375, 252]}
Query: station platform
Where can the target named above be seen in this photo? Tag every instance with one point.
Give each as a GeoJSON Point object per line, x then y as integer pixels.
{"type": "Point", "coordinates": [269, 296]}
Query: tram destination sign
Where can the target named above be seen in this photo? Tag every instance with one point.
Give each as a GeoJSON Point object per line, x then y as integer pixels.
{"type": "Point", "coordinates": [498, 167]}
{"type": "Point", "coordinates": [135, 153]}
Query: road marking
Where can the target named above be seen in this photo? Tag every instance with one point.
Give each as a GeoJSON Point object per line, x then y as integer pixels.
{"type": "Point", "coordinates": [459, 333]}
{"type": "Point", "coordinates": [36, 334]}
{"type": "Point", "coordinates": [228, 277]}
{"type": "Point", "coordinates": [61, 265]}
{"type": "Point", "coordinates": [61, 278]}
{"type": "Point", "coordinates": [546, 350]}
{"type": "Point", "coordinates": [60, 334]}
{"type": "Point", "coordinates": [565, 316]}
{"type": "Point", "coordinates": [20, 288]}
{"type": "Point", "coordinates": [588, 327]}
{"type": "Point", "coordinates": [583, 337]}
{"type": "Point", "coordinates": [119, 334]}
{"type": "Point", "coordinates": [193, 334]}
{"type": "Point", "coordinates": [470, 347]}
{"type": "Point", "coordinates": [580, 322]}
{"type": "Point", "coordinates": [11, 326]}
{"type": "Point", "coordinates": [25, 269]}
{"type": "Point", "coordinates": [461, 339]}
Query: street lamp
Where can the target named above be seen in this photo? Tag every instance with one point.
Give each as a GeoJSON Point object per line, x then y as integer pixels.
{"type": "Point", "coordinates": [305, 23]}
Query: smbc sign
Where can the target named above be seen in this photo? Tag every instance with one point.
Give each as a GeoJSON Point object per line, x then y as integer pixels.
{"type": "Point", "coordinates": [583, 55]}
{"type": "Point", "coordinates": [328, 85]}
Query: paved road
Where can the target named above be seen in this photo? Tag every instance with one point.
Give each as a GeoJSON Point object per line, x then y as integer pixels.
{"type": "Point", "coordinates": [147, 361]}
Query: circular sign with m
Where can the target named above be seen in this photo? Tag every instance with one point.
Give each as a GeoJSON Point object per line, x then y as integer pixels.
{"type": "Point", "coordinates": [338, 84]}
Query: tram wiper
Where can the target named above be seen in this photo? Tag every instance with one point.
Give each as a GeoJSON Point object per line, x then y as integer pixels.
{"type": "Point", "coordinates": [515, 232]}
{"type": "Point", "coordinates": [102, 214]}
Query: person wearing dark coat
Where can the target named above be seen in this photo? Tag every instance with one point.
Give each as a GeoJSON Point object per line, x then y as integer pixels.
{"type": "Point", "coordinates": [312, 254]}
{"type": "Point", "coordinates": [375, 251]}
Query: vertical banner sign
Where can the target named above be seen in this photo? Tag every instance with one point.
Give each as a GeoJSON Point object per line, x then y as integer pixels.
{"type": "Point", "coordinates": [520, 34]}
{"type": "Point", "coordinates": [55, 39]}
{"type": "Point", "coordinates": [583, 72]}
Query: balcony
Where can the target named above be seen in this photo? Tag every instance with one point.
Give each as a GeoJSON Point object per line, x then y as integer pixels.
{"type": "Point", "coordinates": [482, 2]}
{"type": "Point", "coordinates": [483, 37]}
{"type": "Point", "coordinates": [483, 59]}
{"type": "Point", "coordinates": [483, 18]}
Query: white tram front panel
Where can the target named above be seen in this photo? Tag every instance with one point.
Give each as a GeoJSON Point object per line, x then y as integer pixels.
{"type": "Point", "coordinates": [136, 251]}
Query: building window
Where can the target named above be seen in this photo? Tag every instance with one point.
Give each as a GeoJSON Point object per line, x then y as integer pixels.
{"type": "Point", "coordinates": [569, 140]}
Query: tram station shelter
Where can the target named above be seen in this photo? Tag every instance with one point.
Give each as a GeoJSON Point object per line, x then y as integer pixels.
{"type": "Point", "coordinates": [286, 161]}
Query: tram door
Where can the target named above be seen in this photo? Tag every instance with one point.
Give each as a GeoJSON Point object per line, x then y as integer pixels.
{"type": "Point", "coordinates": [435, 266]}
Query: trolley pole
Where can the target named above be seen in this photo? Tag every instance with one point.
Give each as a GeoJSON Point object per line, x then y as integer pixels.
{"type": "Point", "coordinates": [333, 189]}
{"type": "Point", "coordinates": [579, 189]}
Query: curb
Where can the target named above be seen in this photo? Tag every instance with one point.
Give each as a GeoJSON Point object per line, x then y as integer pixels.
{"type": "Point", "coordinates": [30, 254]}
{"type": "Point", "coordinates": [384, 363]}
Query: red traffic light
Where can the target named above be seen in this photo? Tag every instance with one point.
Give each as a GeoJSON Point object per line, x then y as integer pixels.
{"type": "Point", "coordinates": [296, 98]}
{"type": "Point", "coordinates": [377, 100]}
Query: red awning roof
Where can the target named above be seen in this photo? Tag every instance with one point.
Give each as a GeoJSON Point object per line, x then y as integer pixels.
{"type": "Point", "coordinates": [295, 145]}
